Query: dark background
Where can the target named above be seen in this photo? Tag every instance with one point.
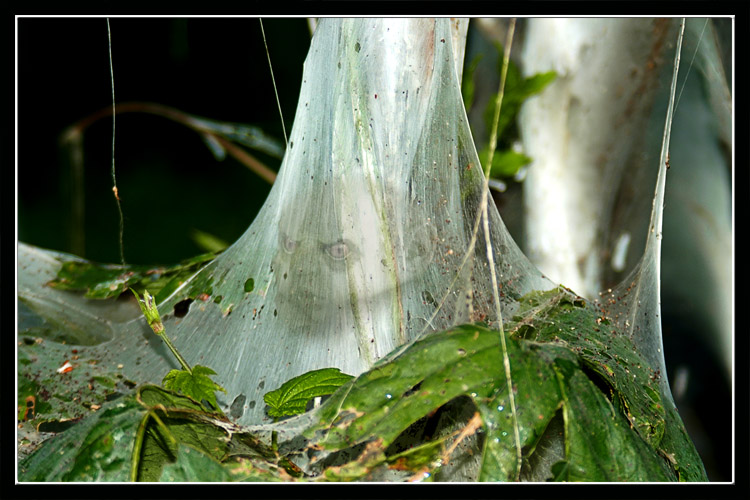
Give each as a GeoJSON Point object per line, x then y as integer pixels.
{"type": "Point", "coordinates": [169, 181]}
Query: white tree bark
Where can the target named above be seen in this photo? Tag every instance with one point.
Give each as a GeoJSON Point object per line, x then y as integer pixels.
{"type": "Point", "coordinates": [582, 132]}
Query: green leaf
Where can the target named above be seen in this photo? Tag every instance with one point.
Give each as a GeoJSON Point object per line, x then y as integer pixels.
{"type": "Point", "coordinates": [417, 457]}
{"type": "Point", "coordinates": [537, 401]}
{"type": "Point", "coordinates": [221, 449]}
{"type": "Point", "coordinates": [560, 471]}
{"type": "Point", "coordinates": [292, 397]}
{"type": "Point", "coordinates": [247, 470]}
{"type": "Point", "coordinates": [30, 401]}
{"type": "Point", "coordinates": [601, 445]}
{"type": "Point", "coordinates": [98, 448]}
{"type": "Point", "coordinates": [152, 396]}
{"type": "Point", "coordinates": [186, 422]}
{"type": "Point", "coordinates": [561, 317]}
{"type": "Point", "coordinates": [677, 447]}
{"type": "Point", "coordinates": [103, 281]}
{"type": "Point", "coordinates": [613, 433]}
{"type": "Point", "coordinates": [536, 83]}
{"type": "Point", "coordinates": [393, 395]}
{"type": "Point", "coordinates": [505, 164]}
{"type": "Point", "coordinates": [194, 465]}
{"type": "Point", "coordinates": [196, 385]}
{"type": "Point", "coordinates": [517, 90]}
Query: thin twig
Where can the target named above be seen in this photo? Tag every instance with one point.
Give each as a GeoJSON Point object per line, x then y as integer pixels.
{"type": "Point", "coordinates": [74, 132]}
{"type": "Point", "coordinates": [490, 255]}
{"type": "Point", "coordinates": [246, 159]}
{"type": "Point", "coordinates": [114, 177]}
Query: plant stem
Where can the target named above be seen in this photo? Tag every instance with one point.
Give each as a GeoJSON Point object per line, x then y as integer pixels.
{"type": "Point", "coordinates": [490, 256]}
{"type": "Point", "coordinates": [140, 437]}
{"type": "Point", "coordinates": [176, 353]}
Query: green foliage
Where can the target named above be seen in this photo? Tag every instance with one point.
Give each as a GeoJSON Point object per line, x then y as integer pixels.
{"type": "Point", "coordinates": [195, 384]}
{"type": "Point", "coordinates": [517, 90]}
{"type": "Point", "coordinates": [589, 417]}
{"type": "Point", "coordinates": [292, 397]}
{"type": "Point", "coordinates": [192, 465]}
{"type": "Point", "coordinates": [506, 162]}
{"type": "Point", "coordinates": [614, 423]}
{"type": "Point", "coordinates": [561, 318]}
{"type": "Point", "coordinates": [185, 423]}
{"type": "Point", "coordinates": [98, 448]}
{"type": "Point", "coordinates": [568, 364]}
{"type": "Point", "coordinates": [103, 281]}
{"type": "Point", "coordinates": [192, 382]}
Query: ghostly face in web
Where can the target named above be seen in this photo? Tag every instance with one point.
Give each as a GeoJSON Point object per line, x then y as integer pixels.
{"type": "Point", "coordinates": [310, 267]}
{"type": "Point", "coordinates": [313, 258]}
{"type": "Point", "coordinates": [340, 253]}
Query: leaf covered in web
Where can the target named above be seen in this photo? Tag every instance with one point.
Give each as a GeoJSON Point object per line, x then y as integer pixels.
{"type": "Point", "coordinates": [103, 281]}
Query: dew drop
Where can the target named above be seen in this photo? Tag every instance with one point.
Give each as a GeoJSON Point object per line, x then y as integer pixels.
{"type": "Point", "coordinates": [500, 407]}
{"type": "Point", "coordinates": [388, 396]}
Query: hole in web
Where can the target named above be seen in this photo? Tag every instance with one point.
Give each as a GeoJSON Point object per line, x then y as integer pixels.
{"type": "Point", "coordinates": [181, 308]}
{"type": "Point", "coordinates": [56, 426]}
